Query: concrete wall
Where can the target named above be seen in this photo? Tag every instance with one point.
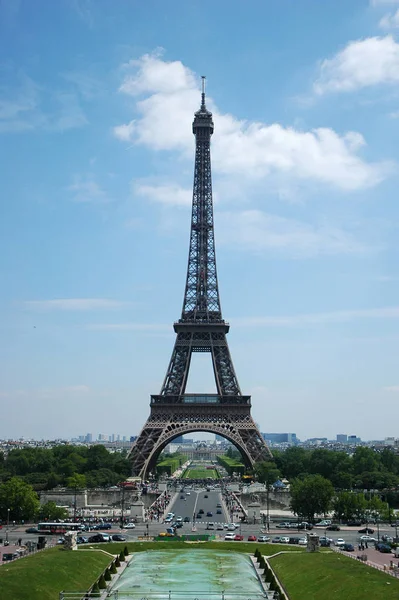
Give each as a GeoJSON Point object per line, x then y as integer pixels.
{"type": "Point", "coordinates": [95, 498]}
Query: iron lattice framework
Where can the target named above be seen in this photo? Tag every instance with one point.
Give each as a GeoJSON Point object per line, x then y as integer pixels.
{"type": "Point", "coordinates": [201, 328]}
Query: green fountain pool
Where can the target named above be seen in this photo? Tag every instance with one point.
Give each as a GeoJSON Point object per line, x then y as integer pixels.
{"type": "Point", "coordinates": [192, 574]}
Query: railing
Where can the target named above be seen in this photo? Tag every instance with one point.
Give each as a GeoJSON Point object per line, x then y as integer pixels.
{"type": "Point", "coordinates": [169, 595]}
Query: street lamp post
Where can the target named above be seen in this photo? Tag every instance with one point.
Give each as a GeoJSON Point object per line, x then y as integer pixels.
{"type": "Point", "coordinates": [122, 505]}
{"type": "Point", "coordinates": [8, 523]}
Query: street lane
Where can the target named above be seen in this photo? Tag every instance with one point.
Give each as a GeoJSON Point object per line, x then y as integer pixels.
{"type": "Point", "coordinates": [190, 505]}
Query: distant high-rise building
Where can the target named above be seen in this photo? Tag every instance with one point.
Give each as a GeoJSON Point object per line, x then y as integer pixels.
{"type": "Point", "coordinates": [280, 438]}
{"type": "Point", "coordinates": [133, 438]}
{"type": "Point", "coordinates": [353, 439]}
{"type": "Point", "coordinates": [342, 438]}
{"type": "Point", "coordinates": [102, 437]}
{"type": "Point", "coordinates": [124, 439]}
{"type": "Point", "coordinates": [89, 437]}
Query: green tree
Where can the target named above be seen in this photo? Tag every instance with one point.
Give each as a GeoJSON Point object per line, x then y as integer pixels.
{"type": "Point", "coordinates": [267, 472]}
{"type": "Point", "coordinates": [311, 496]}
{"type": "Point", "coordinates": [365, 460]}
{"type": "Point", "coordinates": [20, 498]}
{"type": "Point", "coordinates": [76, 481]}
{"type": "Point", "coordinates": [293, 462]}
{"type": "Point", "coordinates": [349, 505]}
{"type": "Point", "coordinates": [51, 512]}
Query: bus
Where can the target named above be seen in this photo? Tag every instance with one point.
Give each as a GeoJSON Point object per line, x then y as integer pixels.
{"type": "Point", "coordinates": [57, 528]}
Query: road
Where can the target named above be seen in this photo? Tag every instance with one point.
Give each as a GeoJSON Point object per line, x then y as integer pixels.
{"type": "Point", "coordinates": [189, 503]}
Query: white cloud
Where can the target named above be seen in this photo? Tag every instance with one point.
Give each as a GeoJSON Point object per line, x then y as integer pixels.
{"type": "Point", "coordinates": [391, 388]}
{"type": "Point", "coordinates": [259, 232]}
{"type": "Point", "coordinates": [382, 2]}
{"type": "Point", "coordinates": [168, 96]}
{"type": "Point", "coordinates": [341, 316]}
{"type": "Point", "coordinates": [171, 195]}
{"type": "Point", "coordinates": [74, 304]}
{"type": "Point", "coordinates": [362, 63]}
{"type": "Point", "coordinates": [86, 189]}
{"type": "Point", "coordinates": [390, 21]}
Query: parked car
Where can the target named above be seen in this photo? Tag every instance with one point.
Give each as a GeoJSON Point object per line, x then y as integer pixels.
{"type": "Point", "coordinates": [238, 537]}
{"type": "Point", "coordinates": [81, 539]}
{"type": "Point", "coordinates": [96, 539]}
{"type": "Point", "coordinates": [293, 540]}
{"type": "Point", "coordinates": [284, 539]}
{"type": "Point", "coordinates": [104, 526]}
{"type": "Point", "coordinates": [303, 541]}
{"type": "Point", "coordinates": [263, 538]}
{"type": "Point", "coordinates": [117, 537]}
{"type": "Point", "coordinates": [348, 547]}
{"type": "Point", "coordinates": [284, 525]}
{"type": "Point", "coordinates": [219, 527]}
{"type": "Point", "coordinates": [333, 528]}
{"type": "Point", "coordinates": [325, 543]}
{"type": "Point", "coordinates": [366, 530]}
{"type": "Point", "coordinates": [276, 539]}
{"type": "Point", "coordinates": [340, 542]}
{"type": "Point", "coordinates": [229, 536]}
{"type": "Point", "coordinates": [252, 538]}
{"type": "Point", "coordinates": [384, 548]}
{"type": "Point", "coordinates": [323, 523]}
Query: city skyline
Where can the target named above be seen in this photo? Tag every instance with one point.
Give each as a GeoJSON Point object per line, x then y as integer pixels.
{"type": "Point", "coordinates": [98, 158]}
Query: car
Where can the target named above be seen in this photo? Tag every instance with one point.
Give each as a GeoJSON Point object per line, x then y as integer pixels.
{"type": "Point", "coordinates": [348, 547]}
{"type": "Point", "coordinates": [387, 539]}
{"type": "Point", "coordinates": [81, 539]}
{"type": "Point", "coordinates": [230, 536]}
{"type": "Point", "coordinates": [231, 527]}
{"type": "Point", "coordinates": [199, 515]}
{"type": "Point", "coordinates": [284, 539]}
{"type": "Point", "coordinates": [218, 511]}
{"type": "Point", "coordinates": [354, 522]}
{"type": "Point", "coordinates": [32, 530]}
{"type": "Point", "coordinates": [178, 524]}
{"type": "Point", "coordinates": [117, 537]}
{"type": "Point", "coordinates": [201, 511]}
{"type": "Point", "coordinates": [170, 514]}
{"type": "Point", "coordinates": [105, 526]}
{"type": "Point", "coordinates": [263, 538]}
{"type": "Point", "coordinates": [325, 539]}
{"type": "Point", "coordinates": [284, 525]}
{"type": "Point", "coordinates": [218, 505]}
{"type": "Point", "coordinates": [168, 519]}
{"type": "Point", "coordinates": [333, 528]}
{"type": "Point", "coordinates": [182, 498]}
{"type": "Point", "coordinates": [325, 543]}
{"type": "Point", "coordinates": [209, 513]}
{"type": "Point", "coordinates": [384, 548]}
{"type": "Point", "coordinates": [252, 538]}
{"type": "Point", "coordinates": [95, 539]}
{"type": "Point", "coordinates": [323, 523]}
{"type": "Point", "coordinates": [367, 538]}
{"type": "Point", "coordinates": [188, 494]}
{"type": "Point", "coordinates": [206, 496]}
{"type": "Point", "coordinates": [179, 519]}
{"type": "Point", "coordinates": [238, 537]}
{"type": "Point", "coordinates": [61, 541]}
{"type": "Point", "coordinates": [303, 541]}
{"type": "Point", "coordinates": [211, 525]}
{"type": "Point", "coordinates": [366, 530]}
{"type": "Point", "coordinates": [219, 527]}
{"type": "Point", "coordinates": [293, 540]}
{"type": "Point", "coordinates": [340, 542]}
{"type": "Point", "coordinates": [186, 520]}
{"type": "Point", "coordinates": [129, 526]}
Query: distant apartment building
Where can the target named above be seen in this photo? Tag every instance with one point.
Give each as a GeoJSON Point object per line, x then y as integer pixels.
{"type": "Point", "coordinates": [280, 438]}
{"type": "Point", "coordinates": [342, 438]}
{"type": "Point", "coordinates": [353, 439]}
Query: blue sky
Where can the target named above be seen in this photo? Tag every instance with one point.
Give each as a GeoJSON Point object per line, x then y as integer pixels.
{"type": "Point", "coordinates": [96, 105]}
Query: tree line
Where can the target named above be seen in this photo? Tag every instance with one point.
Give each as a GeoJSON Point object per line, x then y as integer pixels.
{"type": "Point", "coordinates": [46, 468]}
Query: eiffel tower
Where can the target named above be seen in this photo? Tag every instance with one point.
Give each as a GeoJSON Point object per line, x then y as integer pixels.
{"type": "Point", "coordinates": [201, 328]}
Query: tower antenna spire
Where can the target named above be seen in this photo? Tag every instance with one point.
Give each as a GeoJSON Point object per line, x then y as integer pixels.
{"type": "Point", "coordinates": [203, 78]}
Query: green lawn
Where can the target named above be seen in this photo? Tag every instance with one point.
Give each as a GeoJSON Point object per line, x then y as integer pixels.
{"type": "Point", "coordinates": [201, 473]}
{"type": "Point", "coordinates": [43, 575]}
{"type": "Point", "coordinates": [330, 576]}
